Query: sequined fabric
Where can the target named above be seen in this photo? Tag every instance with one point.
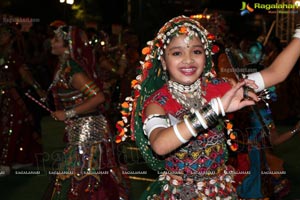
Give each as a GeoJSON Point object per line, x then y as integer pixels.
{"type": "Point", "coordinates": [89, 168]}
{"type": "Point", "coordinates": [87, 162]}
{"type": "Point", "coordinates": [86, 130]}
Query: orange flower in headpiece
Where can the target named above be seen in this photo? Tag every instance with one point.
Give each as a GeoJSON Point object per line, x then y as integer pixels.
{"type": "Point", "coordinates": [146, 50]}
{"type": "Point", "coordinates": [211, 36]}
{"type": "Point", "coordinates": [148, 65]}
{"type": "Point", "coordinates": [229, 126]}
{"type": "Point", "coordinates": [120, 128]}
{"type": "Point", "coordinates": [125, 105]}
{"type": "Point", "coordinates": [232, 136]}
{"type": "Point", "coordinates": [234, 147]}
{"type": "Point", "coordinates": [183, 29]}
{"type": "Point", "coordinates": [134, 83]}
{"type": "Point", "coordinates": [121, 132]}
{"type": "Point", "coordinates": [118, 139]}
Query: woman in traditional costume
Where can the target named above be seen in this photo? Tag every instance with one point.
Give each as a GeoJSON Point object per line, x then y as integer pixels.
{"type": "Point", "coordinates": [89, 169]}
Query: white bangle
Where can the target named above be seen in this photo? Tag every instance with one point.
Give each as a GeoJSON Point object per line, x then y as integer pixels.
{"type": "Point", "coordinates": [221, 106]}
{"type": "Point", "coordinates": [201, 120]}
{"type": "Point", "coordinates": [189, 126]}
{"type": "Point", "coordinates": [178, 135]}
{"type": "Point", "coordinates": [214, 105]}
{"type": "Point", "coordinates": [259, 80]}
{"type": "Point", "coordinates": [154, 121]}
{"type": "Point", "coordinates": [297, 33]}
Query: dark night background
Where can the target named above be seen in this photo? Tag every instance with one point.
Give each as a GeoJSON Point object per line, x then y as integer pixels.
{"type": "Point", "coordinates": [146, 15]}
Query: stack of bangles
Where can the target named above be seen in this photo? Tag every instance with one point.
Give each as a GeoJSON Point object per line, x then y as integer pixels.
{"type": "Point", "coordinates": [70, 113]}
{"type": "Point", "coordinates": [198, 121]}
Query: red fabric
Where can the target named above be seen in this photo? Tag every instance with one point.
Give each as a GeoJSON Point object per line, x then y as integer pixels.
{"type": "Point", "coordinates": [216, 90]}
{"type": "Point", "coordinates": [163, 95]}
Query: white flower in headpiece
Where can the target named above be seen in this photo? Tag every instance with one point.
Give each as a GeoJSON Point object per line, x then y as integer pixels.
{"type": "Point", "coordinates": [159, 36]}
{"type": "Point", "coordinates": [148, 57]}
{"type": "Point", "coordinates": [150, 43]}
{"type": "Point", "coordinates": [139, 77]}
{"type": "Point", "coordinates": [129, 99]}
{"type": "Point", "coordinates": [125, 119]}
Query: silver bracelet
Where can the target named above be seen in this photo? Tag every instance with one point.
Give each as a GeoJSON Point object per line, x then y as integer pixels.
{"type": "Point", "coordinates": [201, 119]}
{"type": "Point", "coordinates": [70, 113]}
{"type": "Point", "coordinates": [189, 126]}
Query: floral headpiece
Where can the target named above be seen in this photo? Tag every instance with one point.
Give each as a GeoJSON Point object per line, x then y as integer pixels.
{"type": "Point", "coordinates": [151, 78]}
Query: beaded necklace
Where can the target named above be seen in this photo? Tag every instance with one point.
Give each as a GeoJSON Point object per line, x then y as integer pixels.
{"type": "Point", "coordinates": [56, 77]}
{"type": "Point", "coordinates": [189, 96]}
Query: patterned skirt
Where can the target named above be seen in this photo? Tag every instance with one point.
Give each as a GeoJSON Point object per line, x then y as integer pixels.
{"type": "Point", "coordinates": [89, 169]}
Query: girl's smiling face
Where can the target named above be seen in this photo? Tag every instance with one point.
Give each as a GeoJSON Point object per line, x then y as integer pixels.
{"type": "Point", "coordinates": [184, 59]}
